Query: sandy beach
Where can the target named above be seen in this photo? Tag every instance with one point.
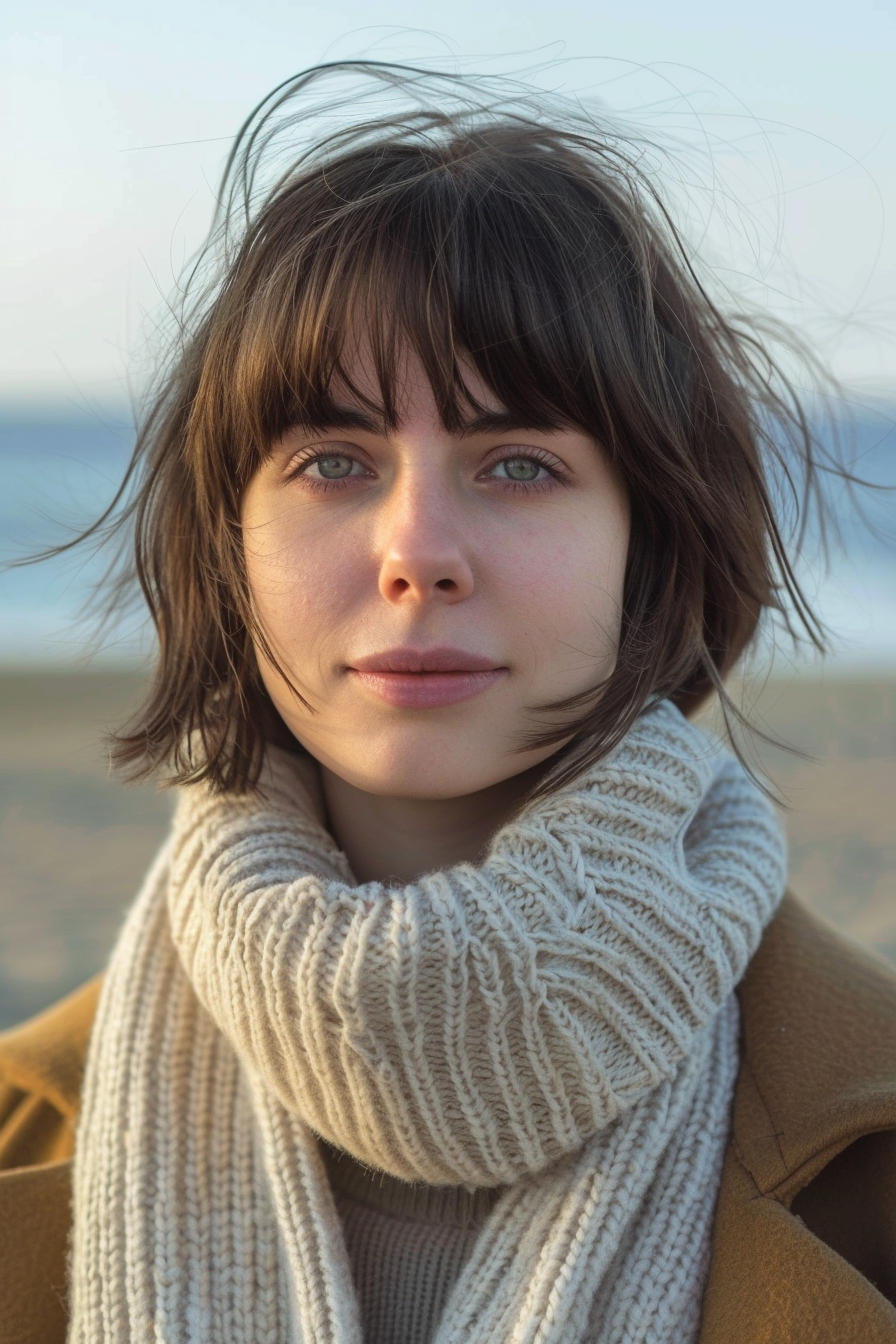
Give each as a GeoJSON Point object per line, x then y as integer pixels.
{"type": "Point", "coordinates": [75, 842]}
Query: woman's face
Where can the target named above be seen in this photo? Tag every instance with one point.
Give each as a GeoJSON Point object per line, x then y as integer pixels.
{"type": "Point", "coordinates": [425, 590]}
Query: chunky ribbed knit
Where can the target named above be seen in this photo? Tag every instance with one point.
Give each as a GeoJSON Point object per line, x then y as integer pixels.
{"type": "Point", "coordinates": [558, 1020]}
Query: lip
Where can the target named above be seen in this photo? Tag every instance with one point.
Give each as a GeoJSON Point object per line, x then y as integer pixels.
{"type": "Point", "coordinates": [443, 658]}
{"type": "Point", "coordinates": [426, 678]}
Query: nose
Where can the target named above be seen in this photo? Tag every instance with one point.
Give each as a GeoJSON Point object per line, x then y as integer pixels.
{"type": "Point", "coordinates": [422, 548]}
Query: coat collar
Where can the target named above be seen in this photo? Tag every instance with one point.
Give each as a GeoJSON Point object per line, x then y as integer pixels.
{"type": "Point", "coordinates": [817, 1068]}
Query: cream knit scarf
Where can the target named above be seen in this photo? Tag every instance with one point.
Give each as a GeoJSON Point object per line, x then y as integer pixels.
{"type": "Point", "coordinates": [558, 1019]}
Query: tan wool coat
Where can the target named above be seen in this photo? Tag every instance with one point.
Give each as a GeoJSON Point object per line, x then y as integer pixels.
{"type": "Point", "coordinates": [804, 1245]}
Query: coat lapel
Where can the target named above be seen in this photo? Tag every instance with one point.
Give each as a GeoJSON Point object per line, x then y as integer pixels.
{"type": "Point", "coordinates": [818, 1071]}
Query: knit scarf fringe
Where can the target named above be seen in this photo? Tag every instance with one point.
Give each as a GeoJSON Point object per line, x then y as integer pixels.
{"type": "Point", "coordinates": [558, 1020]}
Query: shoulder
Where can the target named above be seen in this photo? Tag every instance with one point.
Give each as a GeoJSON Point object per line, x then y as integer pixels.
{"type": "Point", "coordinates": [805, 1236]}
{"type": "Point", "coordinates": [41, 1070]}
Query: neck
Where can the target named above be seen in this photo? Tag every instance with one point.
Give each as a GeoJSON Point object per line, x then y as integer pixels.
{"type": "Point", "coordinates": [399, 839]}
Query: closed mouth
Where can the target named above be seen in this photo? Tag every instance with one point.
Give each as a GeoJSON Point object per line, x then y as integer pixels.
{"type": "Point", "coordinates": [417, 679]}
{"type": "Point", "coordinates": [424, 662]}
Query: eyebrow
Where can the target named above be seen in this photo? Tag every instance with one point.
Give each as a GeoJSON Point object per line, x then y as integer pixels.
{"type": "Point", "coordinates": [487, 422]}
{"type": "Point", "coordinates": [502, 422]}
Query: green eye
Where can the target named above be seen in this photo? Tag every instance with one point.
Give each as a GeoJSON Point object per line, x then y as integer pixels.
{"type": "Point", "coordinates": [334, 466]}
{"type": "Point", "coordinates": [521, 468]}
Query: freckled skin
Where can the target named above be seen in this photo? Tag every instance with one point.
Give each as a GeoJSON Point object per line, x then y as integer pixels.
{"type": "Point", "coordinates": [509, 545]}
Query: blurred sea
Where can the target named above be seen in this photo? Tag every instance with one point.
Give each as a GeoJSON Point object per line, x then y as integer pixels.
{"type": "Point", "coordinates": [59, 470]}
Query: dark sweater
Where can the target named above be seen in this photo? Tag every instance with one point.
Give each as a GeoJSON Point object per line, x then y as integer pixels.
{"type": "Point", "coordinates": [406, 1244]}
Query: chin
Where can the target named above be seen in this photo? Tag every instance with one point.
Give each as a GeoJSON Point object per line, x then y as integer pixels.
{"type": "Point", "coordinates": [413, 765]}
{"type": "Point", "coordinates": [410, 777]}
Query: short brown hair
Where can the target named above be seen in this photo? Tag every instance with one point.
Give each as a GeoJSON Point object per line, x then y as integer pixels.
{"type": "Point", "coordinates": [540, 251]}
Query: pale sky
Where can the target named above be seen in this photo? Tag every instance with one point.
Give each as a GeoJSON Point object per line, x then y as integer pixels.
{"type": "Point", "coordinates": [797, 100]}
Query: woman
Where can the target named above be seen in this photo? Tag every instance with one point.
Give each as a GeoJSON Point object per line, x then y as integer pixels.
{"type": "Point", "coordinates": [454, 505]}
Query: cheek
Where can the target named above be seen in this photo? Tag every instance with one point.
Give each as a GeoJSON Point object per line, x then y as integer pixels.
{"type": "Point", "coordinates": [566, 589]}
{"type": "Point", "coordinates": [301, 584]}
{"type": "Point", "coordinates": [294, 577]}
